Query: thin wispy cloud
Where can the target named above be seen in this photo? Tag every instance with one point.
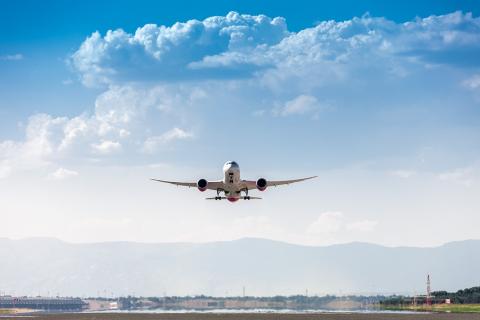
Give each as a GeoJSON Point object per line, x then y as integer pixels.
{"type": "Point", "coordinates": [63, 173]}
{"type": "Point", "coordinates": [332, 222]}
{"type": "Point", "coordinates": [301, 105]}
{"type": "Point", "coordinates": [107, 147]}
{"type": "Point", "coordinates": [152, 144]}
{"type": "Point", "coordinates": [12, 57]}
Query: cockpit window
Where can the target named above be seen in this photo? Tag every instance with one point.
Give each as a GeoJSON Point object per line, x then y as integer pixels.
{"type": "Point", "coordinates": [232, 163]}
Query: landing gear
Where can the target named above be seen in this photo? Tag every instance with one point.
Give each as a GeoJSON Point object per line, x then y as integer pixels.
{"type": "Point", "coordinates": [246, 197]}
{"type": "Point", "coordinates": [219, 197]}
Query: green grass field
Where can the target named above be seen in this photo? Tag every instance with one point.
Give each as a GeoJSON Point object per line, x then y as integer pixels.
{"type": "Point", "coordinates": [439, 308]}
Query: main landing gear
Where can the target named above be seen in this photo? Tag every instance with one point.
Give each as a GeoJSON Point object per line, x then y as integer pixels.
{"type": "Point", "coordinates": [246, 197]}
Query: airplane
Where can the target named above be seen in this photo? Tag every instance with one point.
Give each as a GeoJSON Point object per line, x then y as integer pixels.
{"type": "Point", "coordinates": [232, 186]}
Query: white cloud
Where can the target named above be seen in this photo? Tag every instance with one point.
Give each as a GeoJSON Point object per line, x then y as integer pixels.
{"type": "Point", "coordinates": [301, 105]}
{"type": "Point", "coordinates": [331, 222]}
{"type": "Point", "coordinates": [107, 147]}
{"type": "Point", "coordinates": [362, 226]}
{"type": "Point", "coordinates": [259, 113]}
{"type": "Point", "coordinates": [5, 169]}
{"type": "Point", "coordinates": [166, 52]}
{"type": "Point", "coordinates": [123, 116]}
{"type": "Point", "coordinates": [105, 223]}
{"type": "Point", "coordinates": [236, 46]}
{"type": "Point", "coordinates": [42, 136]}
{"type": "Point", "coordinates": [463, 176]}
{"type": "Point", "coordinates": [62, 173]}
{"type": "Point", "coordinates": [327, 222]}
{"type": "Point", "coordinates": [253, 226]}
{"type": "Point", "coordinates": [12, 57]}
{"type": "Point", "coordinates": [151, 144]}
{"type": "Point", "coordinates": [473, 82]}
{"type": "Point", "coordinates": [404, 174]}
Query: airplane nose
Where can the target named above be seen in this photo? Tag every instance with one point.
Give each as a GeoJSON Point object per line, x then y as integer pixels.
{"type": "Point", "coordinates": [230, 165]}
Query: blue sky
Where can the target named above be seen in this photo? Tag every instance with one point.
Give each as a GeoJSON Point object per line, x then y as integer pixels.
{"type": "Point", "coordinates": [379, 99]}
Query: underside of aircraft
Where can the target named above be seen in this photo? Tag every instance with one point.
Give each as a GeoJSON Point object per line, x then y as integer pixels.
{"type": "Point", "coordinates": [231, 187]}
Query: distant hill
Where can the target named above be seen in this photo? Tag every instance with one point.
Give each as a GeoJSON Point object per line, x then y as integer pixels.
{"type": "Point", "coordinates": [264, 267]}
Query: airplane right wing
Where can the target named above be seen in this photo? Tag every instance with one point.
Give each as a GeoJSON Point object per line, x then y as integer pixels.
{"type": "Point", "coordinates": [212, 185]}
{"type": "Point", "coordinates": [177, 183]}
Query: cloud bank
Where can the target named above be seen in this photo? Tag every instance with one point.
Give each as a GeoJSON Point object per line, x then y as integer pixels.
{"type": "Point", "coordinates": [160, 52]}
{"type": "Point", "coordinates": [239, 45]}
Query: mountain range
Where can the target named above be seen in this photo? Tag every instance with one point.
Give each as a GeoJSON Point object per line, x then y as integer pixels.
{"type": "Point", "coordinates": [45, 266]}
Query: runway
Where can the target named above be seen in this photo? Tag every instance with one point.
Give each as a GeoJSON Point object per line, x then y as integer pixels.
{"type": "Point", "coordinates": [249, 316]}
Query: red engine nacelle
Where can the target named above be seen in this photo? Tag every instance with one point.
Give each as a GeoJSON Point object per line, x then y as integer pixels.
{"type": "Point", "coordinates": [261, 184]}
{"type": "Point", "coordinates": [202, 184]}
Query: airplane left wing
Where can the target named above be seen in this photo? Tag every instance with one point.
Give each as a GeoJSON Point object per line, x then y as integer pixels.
{"type": "Point", "coordinates": [253, 184]}
{"type": "Point", "coordinates": [212, 185]}
{"type": "Point", "coordinates": [282, 182]}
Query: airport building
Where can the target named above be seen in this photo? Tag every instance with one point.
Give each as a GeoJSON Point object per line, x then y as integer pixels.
{"type": "Point", "coordinates": [43, 303]}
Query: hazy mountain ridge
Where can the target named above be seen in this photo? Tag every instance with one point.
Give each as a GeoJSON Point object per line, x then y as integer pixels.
{"type": "Point", "coordinates": [264, 267]}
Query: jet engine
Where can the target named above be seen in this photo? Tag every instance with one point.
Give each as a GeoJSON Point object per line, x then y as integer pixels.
{"type": "Point", "coordinates": [261, 184]}
{"type": "Point", "coordinates": [202, 184]}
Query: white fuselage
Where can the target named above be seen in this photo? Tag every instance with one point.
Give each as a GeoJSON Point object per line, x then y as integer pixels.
{"type": "Point", "coordinates": [233, 186]}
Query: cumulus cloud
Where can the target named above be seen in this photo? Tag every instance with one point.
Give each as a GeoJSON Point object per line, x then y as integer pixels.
{"type": "Point", "coordinates": [327, 222]}
{"type": "Point", "coordinates": [123, 117]}
{"type": "Point", "coordinates": [42, 136]}
{"type": "Point", "coordinates": [235, 46]}
{"type": "Point", "coordinates": [153, 143]}
{"type": "Point", "coordinates": [168, 52]}
{"type": "Point", "coordinates": [62, 174]}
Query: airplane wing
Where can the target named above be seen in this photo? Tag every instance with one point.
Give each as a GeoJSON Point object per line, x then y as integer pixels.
{"type": "Point", "coordinates": [282, 182]}
{"type": "Point", "coordinates": [212, 185]}
{"type": "Point", "coordinates": [253, 184]}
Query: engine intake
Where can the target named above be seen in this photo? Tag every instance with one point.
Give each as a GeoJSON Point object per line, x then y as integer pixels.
{"type": "Point", "coordinates": [202, 184]}
{"type": "Point", "coordinates": [261, 184]}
